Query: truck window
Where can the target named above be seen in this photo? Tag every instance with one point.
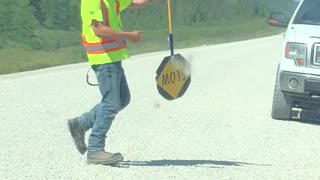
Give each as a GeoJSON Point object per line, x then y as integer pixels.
{"type": "Point", "coordinates": [309, 13]}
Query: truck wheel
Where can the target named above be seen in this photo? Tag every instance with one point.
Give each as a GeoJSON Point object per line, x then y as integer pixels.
{"type": "Point", "coordinates": [282, 105]}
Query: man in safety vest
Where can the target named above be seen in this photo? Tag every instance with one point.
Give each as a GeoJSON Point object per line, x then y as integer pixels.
{"type": "Point", "coordinates": [105, 44]}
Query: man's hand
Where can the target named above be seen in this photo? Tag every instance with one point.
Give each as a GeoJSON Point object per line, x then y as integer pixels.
{"type": "Point", "coordinates": [105, 32]}
{"type": "Point", "coordinates": [135, 36]}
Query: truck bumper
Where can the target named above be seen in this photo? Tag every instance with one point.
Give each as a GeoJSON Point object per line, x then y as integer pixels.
{"type": "Point", "coordinates": [300, 86]}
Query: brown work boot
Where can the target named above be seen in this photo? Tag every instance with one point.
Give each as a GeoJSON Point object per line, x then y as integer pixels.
{"type": "Point", "coordinates": [105, 158]}
{"type": "Point", "coordinates": [77, 134]}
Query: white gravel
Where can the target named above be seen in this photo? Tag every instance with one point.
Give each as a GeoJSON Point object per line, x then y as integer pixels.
{"type": "Point", "coordinates": [220, 129]}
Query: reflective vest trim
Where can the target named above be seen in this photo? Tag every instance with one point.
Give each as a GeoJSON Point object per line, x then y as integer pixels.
{"type": "Point", "coordinates": [118, 8]}
{"type": "Point", "coordinates": [104, 41]}
{"type": "Point", "coordinates": [105, 46]}
{"type": "Point", "coordinates": [105, 15]}
{"type": "Point", "coordinates": [107, 51]}
{"type": "Point", "coordinates": [105, 11]}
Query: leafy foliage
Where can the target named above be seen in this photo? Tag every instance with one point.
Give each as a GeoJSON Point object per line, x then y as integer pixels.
{"type": "Point", "coordinates": [22, 20]}
{"type": "Point", "coordinates": [47, 33]}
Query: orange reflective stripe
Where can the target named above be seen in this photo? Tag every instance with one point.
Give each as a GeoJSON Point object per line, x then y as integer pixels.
{"type": "Point", "coordinates": [104, 41]}
{"type": "Point", "coordinates": [103, 47]}
{"type": "Point", "coordinates": [106, 46]}
{"type": "Point", "coordinates": [104, 10]}
{"type": "Point", "coordinates": [106, 51]}
{"type": "Point", "coordinates": [118, 8]}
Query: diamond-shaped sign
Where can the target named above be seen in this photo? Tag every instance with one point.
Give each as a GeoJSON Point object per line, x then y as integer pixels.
{"type": "Point", "coordinates": [173, 77]}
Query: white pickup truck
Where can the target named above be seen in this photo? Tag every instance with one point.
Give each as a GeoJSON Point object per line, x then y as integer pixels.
{"type": "Point", "coordinates": [297, 86]}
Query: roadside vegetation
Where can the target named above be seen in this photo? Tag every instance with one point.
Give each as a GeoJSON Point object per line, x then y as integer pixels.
{"type": "Point", "coordinates": [37, 34]}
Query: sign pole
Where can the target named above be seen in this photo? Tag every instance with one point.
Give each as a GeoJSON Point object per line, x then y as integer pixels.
{"type": "Point", "coordinates": [174, 73]}
{"type": "Point", "coordinates": [170, 28]}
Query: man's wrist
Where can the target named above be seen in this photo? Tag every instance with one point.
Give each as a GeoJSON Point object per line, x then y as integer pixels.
{"type": "Point", "coordinates": [127, 35]}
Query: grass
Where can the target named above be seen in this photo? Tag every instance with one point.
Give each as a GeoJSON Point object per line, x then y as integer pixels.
{"type": "Point", "coordinates": [16, 59]}
{"type": "Point", "coordinates": [19, 59]}
{"type": "Point", "coordinates": [156, 40]}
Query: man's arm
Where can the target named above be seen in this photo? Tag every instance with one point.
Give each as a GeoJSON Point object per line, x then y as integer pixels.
{"type": "Point", "coordinates": [139, 3]}
{"type": "Point", "coordinates": [105, 32]}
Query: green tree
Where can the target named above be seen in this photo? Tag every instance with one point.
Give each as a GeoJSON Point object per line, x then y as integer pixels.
{"type": "Point", "coordinates": [6, 9]}
{"type": "Point", "coordinates": [23, 21]}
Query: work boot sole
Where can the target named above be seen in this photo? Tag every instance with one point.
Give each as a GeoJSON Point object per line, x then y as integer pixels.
{"type": "Point", "coordinates": [112, 162]}
{"type": "Point", "coordinates": [71, 127]}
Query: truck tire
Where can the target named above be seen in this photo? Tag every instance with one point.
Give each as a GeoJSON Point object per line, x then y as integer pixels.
{"type": "Point", "coordinates": [282, 105]}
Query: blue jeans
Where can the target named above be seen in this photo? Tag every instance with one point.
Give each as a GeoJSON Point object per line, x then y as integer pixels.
{"type": "Point", "coordinates": [115, 97]}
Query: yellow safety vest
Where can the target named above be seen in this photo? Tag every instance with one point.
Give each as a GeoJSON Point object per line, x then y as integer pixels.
{"type": "Point", "coordinates": [98, 50]}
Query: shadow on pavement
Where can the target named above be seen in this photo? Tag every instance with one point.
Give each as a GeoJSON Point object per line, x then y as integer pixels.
{"type": "Point", "coordinates": [308, 122]}
{"type": "Point", "coordinates": [196, 163]}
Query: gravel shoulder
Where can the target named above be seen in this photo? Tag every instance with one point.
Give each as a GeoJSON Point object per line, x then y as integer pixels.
{"type": "Point", "coordinates": [220, 129]}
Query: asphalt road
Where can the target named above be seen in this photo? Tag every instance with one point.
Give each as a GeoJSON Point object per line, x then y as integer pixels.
{"type": "Point", "coordinates": [220, 129]}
